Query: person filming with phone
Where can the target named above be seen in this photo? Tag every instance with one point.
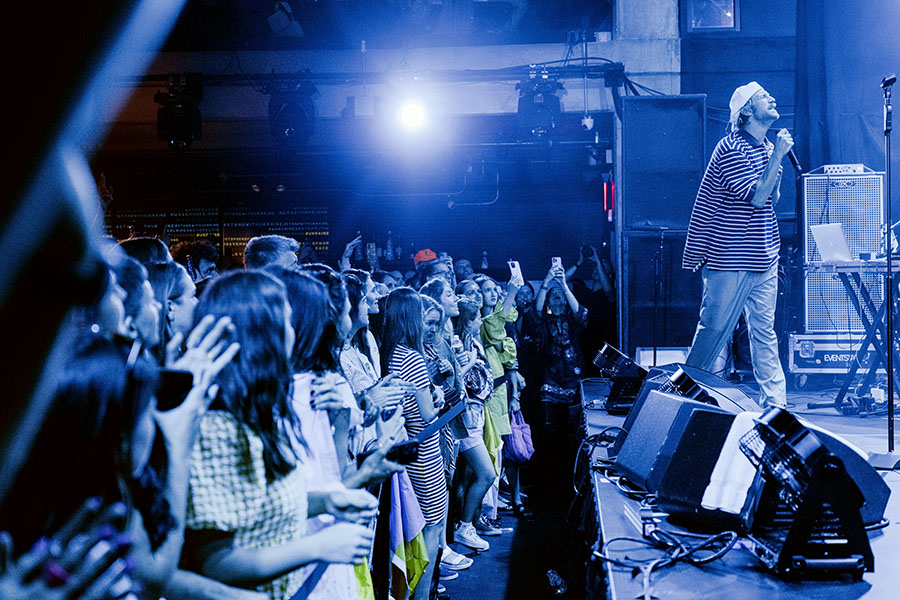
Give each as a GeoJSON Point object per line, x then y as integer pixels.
{"type": "Point", "coordinates": [561, 320]}
{"type": "Point", "coordinates": [591, 280]}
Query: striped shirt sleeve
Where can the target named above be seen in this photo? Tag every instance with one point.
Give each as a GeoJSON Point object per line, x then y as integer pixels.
{"type": "Point", "coordinates": [737, 174]}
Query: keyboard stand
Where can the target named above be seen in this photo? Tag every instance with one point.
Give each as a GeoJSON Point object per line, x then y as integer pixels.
{"type": "Point", "coordinates": [876, 335]}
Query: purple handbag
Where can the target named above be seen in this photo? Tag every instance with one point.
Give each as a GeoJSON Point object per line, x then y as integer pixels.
{"type": "Point", "coordinates": [517, 446]}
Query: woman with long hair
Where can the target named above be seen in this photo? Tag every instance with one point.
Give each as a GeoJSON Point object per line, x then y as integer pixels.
{"type": "Point", "coordinates": [439, 300]}
{"type": "Point", "coordinates": [403, 355]}
{"type": "Point", "coordinates": [405, 516]}
{"type": "Point", "coordinates": [142, 311]}
{"type": "Point", "coordinates": [477, 472]}
{"type": "Point", "coordinates": [500, 351]}
{"type": "Point", "coordinates": [562, 320]}
{"type": "Point", "coordinates": [248, 506]}
{"type": "Point", "coordinates": [331, 389]}
{"type": "Point", "coordinates": [176, 293]}
{"type": "Point", "coordinates": [526, 333]}
{"type": "Point", "coordinates": [356, 355]}
{"type": "Point", "coordinates": [364, 336]}
{"type": "Point", "coordinates": [102, 416]}
{"type": "Point", "coordinates": [318, 380]}
{"type": "Point", "coordinates": [120, 448]}
{"type": "Point", "coordinates": [470, 290]}
{"type": "Point", "coordinates": [314, 366]}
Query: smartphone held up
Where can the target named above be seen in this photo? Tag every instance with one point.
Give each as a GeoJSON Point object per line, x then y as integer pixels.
{"type": "Point", "coordinates": [515, 272]}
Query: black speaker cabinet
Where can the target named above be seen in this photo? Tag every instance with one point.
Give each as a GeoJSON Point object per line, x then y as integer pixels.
{"type": "Point", "coordinates": [653, 437]}
{"type": "Point", "coordinates": [663, 158]}
{"type": "Point", "coordinates": [660, 300]}
{"type": "Point", "coordinates": [726, 396]}
{"type": "Point", "coordinates": [873, 487]}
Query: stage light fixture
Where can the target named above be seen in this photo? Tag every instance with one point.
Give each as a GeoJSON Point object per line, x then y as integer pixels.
{"type": "Point", "coordinates": [539, 108]}
{"type": "Point", "coordinates": [412, 115]}
{"type": "Point", "coordinates": [178, 120]}
{"type": "Point", "coordinates": [292, 115]}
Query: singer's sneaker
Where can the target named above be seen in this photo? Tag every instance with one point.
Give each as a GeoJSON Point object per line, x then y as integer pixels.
{"type": "Point", "coordinates": [466, 535]}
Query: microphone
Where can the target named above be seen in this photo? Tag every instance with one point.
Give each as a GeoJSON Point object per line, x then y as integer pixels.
{"type": "Point", "coordinates": [793, 158]}
{"type": "Point", "coordinates": [888, 81]}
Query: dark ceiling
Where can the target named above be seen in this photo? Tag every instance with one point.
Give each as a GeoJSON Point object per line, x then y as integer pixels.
{"type": "Point", "coordinates": [333, 24]}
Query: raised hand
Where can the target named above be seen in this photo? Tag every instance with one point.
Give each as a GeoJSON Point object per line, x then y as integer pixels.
{"type": "Point", "coordinates": [389, 391]}
{"type": "Point", "coordinates": [207, 349]}
{"type": "Point", "coordinates": [84, 560]}
{"type": "Point", "coordinates": [348, 251]}
{"type": "Point", "coordinates": [207, 354]}
{"type": "Point", "coordinates": [557, 273]}
{"type": "Point", "coordinates": [324, 395]}
{"type": "Point", "coordinates": [783, 143]}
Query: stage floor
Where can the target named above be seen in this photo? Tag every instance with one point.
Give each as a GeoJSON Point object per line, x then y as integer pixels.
{"type": "Point", "coordinates": [869, 433]}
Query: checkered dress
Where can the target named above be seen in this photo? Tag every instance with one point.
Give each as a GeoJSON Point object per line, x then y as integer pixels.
{"type": "Point", "coordinates": [229, 492]}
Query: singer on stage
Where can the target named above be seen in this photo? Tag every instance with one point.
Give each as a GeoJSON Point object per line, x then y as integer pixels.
{"type": "Point", "coordinates": [733, 237]}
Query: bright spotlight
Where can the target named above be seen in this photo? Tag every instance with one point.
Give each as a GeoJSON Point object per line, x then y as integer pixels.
{"type": "Point", "coordinates": [412, 115]}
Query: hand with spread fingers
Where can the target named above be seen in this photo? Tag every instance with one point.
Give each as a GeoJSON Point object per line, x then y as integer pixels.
{"type": "Point", "coordinates": [389, 391]}
{"type": "Point", "coordinates": [324, 395]}
{"type": "Point", "coordinates": [208, 352]}
{"type": "Point", "coordinates": [85, 560]}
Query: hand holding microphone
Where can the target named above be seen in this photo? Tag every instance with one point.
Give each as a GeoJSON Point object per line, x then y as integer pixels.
{"type": "Point", "coordinates": [785, 143]}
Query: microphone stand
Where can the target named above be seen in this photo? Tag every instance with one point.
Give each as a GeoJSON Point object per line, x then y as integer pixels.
{"type": "Point", "coordinates": [657, 285]}
{"type": "Point", "coordinates": [890, 459]}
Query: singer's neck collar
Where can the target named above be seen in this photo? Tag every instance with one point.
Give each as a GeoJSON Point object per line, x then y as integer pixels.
{"type": "Point", "coordinates": [749, 138]}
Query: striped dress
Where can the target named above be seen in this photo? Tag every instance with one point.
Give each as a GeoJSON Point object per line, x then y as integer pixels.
{"type": "Point", "coordinates": [726, 232]}
{"type": "Point", "coordinates": [427, 472]}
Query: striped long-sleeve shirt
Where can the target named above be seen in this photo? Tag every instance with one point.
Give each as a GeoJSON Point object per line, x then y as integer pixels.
{"type": "Point", "coordinates": [726, 231]}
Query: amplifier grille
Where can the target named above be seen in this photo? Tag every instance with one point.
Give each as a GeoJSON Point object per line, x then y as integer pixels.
{"type": "Point", "coordinates": [857, 202]}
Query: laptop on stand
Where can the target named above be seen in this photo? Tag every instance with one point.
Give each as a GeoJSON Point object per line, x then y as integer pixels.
{"type": "Point", "coordinates": [831, 243]}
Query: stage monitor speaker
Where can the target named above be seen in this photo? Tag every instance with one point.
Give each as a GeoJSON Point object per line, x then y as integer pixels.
{"type": "Point", "coordinates": [669, 317]}
{"type": "Point", "coordinates": [873, 487]}
{"type": "Point", "coordinates": [690, 469]}
{"type": "Point", "coordinates": [856, 201]}
{"type": "Point", "coordinates": [653, 437]}
{"type": "Point", "coordinates": [663, 158]}
{"type": "Point", "coordinates": [725, 395]}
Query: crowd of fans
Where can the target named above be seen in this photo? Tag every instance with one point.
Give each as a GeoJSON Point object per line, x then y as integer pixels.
{"type": "Point", "coordinates": [246, 435]}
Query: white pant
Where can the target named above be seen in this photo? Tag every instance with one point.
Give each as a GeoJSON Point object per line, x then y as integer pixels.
{"type": "Point", "coordinates": [725, 295]}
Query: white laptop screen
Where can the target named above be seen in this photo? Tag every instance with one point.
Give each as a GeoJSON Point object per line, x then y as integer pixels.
{"type": "Point", "coordinates": [831, 243]}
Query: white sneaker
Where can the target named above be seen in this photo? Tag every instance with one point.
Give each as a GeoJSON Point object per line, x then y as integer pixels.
{"type": "Point", "coordinates": [465, 535]}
